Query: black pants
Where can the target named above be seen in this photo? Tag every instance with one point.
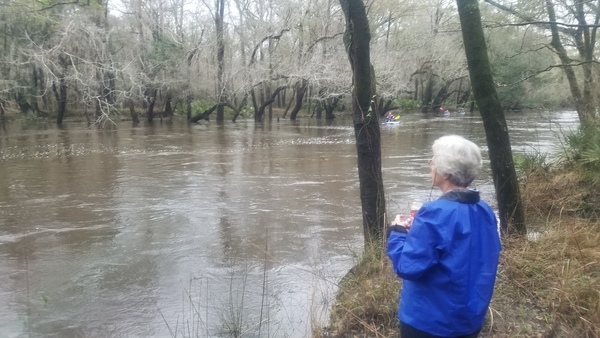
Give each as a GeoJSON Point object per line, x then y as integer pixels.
{"type": "Point", "coordinates": [407, 331]}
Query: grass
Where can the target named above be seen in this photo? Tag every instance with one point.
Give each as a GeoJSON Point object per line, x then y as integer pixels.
{"type": "Point", "coordinates": [367, 300]}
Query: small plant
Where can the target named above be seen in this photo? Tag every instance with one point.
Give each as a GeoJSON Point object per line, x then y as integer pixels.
{"type": "Point", "coordinates": [531, 163]}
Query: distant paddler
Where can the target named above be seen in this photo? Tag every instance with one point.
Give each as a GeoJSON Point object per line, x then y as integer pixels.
{"type": "Point", "coordinates": [390, 117]}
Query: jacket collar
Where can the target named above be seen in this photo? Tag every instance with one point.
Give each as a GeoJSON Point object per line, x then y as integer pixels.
{"type": "Point", "coordinates": [463, 195]}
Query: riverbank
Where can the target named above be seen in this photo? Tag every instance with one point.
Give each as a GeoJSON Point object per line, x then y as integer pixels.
{"type": "Point", "coordinates": [547, 283]}
{"type": "Point", "coordinates": [545, 288]}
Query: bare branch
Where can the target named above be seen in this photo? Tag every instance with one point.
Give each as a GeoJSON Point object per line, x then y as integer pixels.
{"type": "Point", "coordinates": [270, 37]}
{"type": "Point", "coordinates": [527, 18]}
{"type": "Point", "coordinates": [76, 2]}
{"type": "Point", "coordinates": [549, 68]}
{"type": "Point", "coordinates": [321, 39]}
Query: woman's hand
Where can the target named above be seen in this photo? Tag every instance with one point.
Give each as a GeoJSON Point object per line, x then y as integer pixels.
{"type": "Point", "coordinates": [402, 220]}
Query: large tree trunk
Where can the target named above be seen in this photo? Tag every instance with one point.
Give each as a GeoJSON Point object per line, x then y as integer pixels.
{"type": "Point", "coordinates": [366, 122]}
{"type": "Point", "coordinates": [500, 153]}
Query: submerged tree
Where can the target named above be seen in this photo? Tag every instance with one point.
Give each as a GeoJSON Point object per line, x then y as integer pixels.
{"type": "Point", "coordinates": [503, 169]}
{"type": "Point", "coordinates": [366, 122]}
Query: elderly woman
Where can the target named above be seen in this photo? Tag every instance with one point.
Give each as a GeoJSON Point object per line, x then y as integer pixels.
{"type": "Point", "coordinates": [449, 258]}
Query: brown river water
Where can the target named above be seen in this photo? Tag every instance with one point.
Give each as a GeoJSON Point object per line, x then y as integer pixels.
{"type": "Point", "coordinates": [203, 230]}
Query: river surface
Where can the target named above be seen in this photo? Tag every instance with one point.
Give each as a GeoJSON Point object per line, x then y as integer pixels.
{"type": "Point", "coordinates": [204, 230]}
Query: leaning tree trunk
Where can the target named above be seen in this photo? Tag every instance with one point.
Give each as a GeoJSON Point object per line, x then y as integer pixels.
{"type": "Point", "coordinates": [512, 217]}
{"type": "Point", "coordinates": [366, 122]}
{"type": "Point", "coordinates": [300, 90]}
{"type": "Point", "coordinates": [268, 101]}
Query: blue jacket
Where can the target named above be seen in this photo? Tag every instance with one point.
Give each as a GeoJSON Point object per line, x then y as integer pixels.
{"type": "Point", "coordinates": [448, 262]}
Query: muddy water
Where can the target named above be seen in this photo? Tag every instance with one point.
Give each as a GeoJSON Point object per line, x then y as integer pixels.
{"type": "Point", "coordinates": [204, 230]}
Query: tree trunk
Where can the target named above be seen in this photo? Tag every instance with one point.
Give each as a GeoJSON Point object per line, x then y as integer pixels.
{"type": "Point", "coordinates": [134, 116]}
{"type": "Point", "coordinates": [151, 101]}
{"type": "Point", "coordinates": [382, 106]}
{"type": "Point", "coordinates": [168, 109]}
{"type": "Point", "coordinates": [427, 96]}
{"type": "Point", "coordinates": [22, 102]}
{"type": "Point", "coordinates": [188, 107]}
{"type": "Point", "coordinates": [254, 102]}
{"type": "Point", "coordinates": [512, 217]}
{"type": "Point", "coordinates": [330, 105]}
{"type": "Point", "coordinates": [238, 110]}
{"type": "Point", "coordinates": [61, 99]}
{"type": "Point", "coordinates": [220, 59]}
{"type": "Point", "coordinates": [204, 115]}
{"type": "Point", "coordinates": [2, 102]}
{"type": "Point", "coordinates": [289, 105]}
{"type": "Point", "coordinates": [366, 122]}
{"type": "Point", "coordinates": [261, 111]}
{"type": "Point", "coordinates": [319, 110]}
{"type": "Point", "coordinates": [300, 90]}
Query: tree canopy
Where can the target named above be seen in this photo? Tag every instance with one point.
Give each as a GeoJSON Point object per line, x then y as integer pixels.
{"type": "Point", "coordinates": [92, 58]}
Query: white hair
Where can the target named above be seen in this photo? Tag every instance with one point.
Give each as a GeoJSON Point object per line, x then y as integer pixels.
{"type": "Point", "coordinates": [458, 158]}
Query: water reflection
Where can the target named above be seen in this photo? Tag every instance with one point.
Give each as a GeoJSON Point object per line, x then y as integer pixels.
{"type": "Point", "coordinates": [131, 230]}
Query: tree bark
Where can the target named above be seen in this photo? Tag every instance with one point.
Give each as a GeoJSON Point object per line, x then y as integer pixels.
{"type": "Point", "coordinates": [300, 90]}
{"type": "Point", "coordinates": [366, 123]}
{"type": "Point", "coordinates": [512, 217]}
